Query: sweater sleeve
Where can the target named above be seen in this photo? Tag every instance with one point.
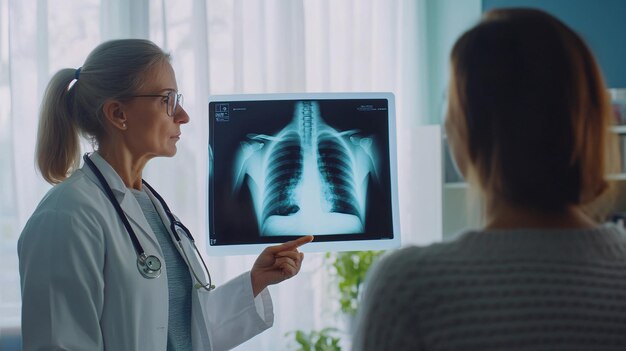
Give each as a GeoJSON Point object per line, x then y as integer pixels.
{"type": "Point", "coordinates": [386, 314]}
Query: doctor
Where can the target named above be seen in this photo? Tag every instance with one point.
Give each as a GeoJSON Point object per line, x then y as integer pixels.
{"type": "Point", "coordinates": [104, 264]}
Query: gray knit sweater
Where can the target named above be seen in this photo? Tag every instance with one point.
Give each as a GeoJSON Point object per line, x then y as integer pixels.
{"type": "Point", "coordinates": [500, 290]}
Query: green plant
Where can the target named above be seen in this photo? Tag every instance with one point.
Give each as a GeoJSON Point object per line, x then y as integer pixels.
{"type": "Point", "coordinates": [350, 269]}
{"type": "Point", "coordinates": [323, 340]}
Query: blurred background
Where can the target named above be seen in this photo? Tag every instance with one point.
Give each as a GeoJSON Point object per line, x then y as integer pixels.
{"type": "Point", "coordinates": [265, 46]}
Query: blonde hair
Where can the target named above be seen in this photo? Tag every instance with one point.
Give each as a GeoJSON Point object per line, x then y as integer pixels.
{"type": "Point", "coordinates": [532, 111]}
{"type": "Point", "coordinates": [73, 101]}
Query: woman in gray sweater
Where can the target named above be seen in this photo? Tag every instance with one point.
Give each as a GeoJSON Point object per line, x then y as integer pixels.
{"type": "Point", "coordinates": [528, 123]}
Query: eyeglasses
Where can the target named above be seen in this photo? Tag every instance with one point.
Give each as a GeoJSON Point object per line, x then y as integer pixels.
{"type": "Point", "coordinates": [173, 100]}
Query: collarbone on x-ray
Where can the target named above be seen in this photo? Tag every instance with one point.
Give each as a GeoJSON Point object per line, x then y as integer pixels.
{"type": "Point", "coordinates": [308, 178]}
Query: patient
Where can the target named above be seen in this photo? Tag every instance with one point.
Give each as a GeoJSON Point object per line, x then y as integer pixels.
{"type": "Point", "coordinates": [528, 119]}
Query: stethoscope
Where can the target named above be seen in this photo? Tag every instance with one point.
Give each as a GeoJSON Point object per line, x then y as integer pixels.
{"type": "Point", "coordinates": [149, 265]}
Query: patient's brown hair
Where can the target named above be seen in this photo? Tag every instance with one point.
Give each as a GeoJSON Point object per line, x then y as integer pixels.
{"type": "Point", "coordinates": [530, 108]}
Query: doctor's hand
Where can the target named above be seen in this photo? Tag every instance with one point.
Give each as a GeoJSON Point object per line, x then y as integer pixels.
{"type": "Point", "coordinates": [277, 263]}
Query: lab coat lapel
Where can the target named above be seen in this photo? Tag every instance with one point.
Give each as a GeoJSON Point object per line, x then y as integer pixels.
{"type": "Point", "coordinates": [135, 215]}
{"type": "Point", "coordinates": [181, 234]}
{"type": "Point", "coordinates": [194, 262]}
{"type": "Point", "coordinates": [125, 198]}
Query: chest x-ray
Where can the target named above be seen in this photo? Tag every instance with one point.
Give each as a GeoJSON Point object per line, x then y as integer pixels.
{"type": "Point", "coordinates": [306, 165]}
{"type": "Point", "coordinates": [307, 177]}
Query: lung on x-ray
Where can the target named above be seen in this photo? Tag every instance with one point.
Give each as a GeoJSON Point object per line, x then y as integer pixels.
{"type": "Point", "coordinates": [286, 165]}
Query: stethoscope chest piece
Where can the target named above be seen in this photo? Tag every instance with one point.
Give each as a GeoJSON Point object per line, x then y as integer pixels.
{"type": "Point", "coordinates": [149, 266]}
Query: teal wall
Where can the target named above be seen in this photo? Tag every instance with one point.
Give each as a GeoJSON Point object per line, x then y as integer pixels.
{"type": "Point", "coordinates": [446, 20]}
{"type": "Point", "coordinates": [602, 23]}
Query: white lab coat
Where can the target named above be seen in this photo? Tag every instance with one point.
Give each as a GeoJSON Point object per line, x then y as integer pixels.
{"type": "Point", "coordinates": [81, 289]}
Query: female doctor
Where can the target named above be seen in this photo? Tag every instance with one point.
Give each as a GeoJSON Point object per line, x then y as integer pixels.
{"type": "Point", "coordinates": [104, 264]}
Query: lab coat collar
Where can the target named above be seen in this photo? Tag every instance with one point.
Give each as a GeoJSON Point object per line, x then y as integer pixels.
{"type": "Point", "coordinates": [111, 176]}
{"type": "Point", "coordinates": [133, 211]}
{"type": "Point", "coordinates": [124, 197]}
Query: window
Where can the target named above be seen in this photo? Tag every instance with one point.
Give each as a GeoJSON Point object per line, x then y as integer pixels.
{"type": "Point", "coordinates": [218, 46]}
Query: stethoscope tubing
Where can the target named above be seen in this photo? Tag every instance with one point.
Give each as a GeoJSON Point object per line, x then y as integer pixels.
{"type": "Point", "coordinates": [107, 190]}
{"type": "Point", "coordinates": [144, 261]}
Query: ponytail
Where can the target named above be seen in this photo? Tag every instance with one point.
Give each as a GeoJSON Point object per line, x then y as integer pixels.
{"type": "Point", "coordinates": [113, 70]}
{"type": "Point", "coordinates": [58, 142]}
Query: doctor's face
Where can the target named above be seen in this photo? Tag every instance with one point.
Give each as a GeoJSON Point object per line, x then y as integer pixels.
{"type": "Point", "coordinates": [151, 130]}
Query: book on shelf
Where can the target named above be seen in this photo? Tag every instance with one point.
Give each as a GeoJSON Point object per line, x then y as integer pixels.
{"type": "Point", "coordinates": [618, 101]}
{"type": "Point", "coordinates": [622, 153]}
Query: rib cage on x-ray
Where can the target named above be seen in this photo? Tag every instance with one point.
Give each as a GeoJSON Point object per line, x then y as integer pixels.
{"type": "Point", "coordinates": [337, 170]}
{"type": "Point", "coordinates": [283, 174]}
{"type": "Point", "coordinates": [308, 178]}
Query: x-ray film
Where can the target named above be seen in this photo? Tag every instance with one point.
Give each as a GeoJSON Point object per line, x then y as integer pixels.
{"type": "Point", "coordinates": [286, 165]}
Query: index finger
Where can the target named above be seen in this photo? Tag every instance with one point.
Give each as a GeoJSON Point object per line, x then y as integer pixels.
{"type": "Point", "coordinates": [300, 241]}
{"type": "Point", "coordinates": [291, 244]}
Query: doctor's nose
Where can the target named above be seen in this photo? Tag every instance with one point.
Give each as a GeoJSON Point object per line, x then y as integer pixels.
{"type": "Point", "coordinates": [181, 116]}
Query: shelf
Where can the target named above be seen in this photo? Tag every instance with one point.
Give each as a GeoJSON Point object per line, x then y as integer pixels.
{"type": "Point", "coordinates": [463, 185]}
{"type": "Point", "coordinates": [455, 185]}
{"type": "Point", "coordinates": [619, 129]}
{"type": "Point", "coordinates": [618, 176]}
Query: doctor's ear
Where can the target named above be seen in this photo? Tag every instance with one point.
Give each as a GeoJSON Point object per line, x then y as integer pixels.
{"type": "Point", "coordinates": [114, 112]}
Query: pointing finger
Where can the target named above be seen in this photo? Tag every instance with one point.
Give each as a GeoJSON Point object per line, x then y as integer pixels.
{"type": "Point", "coordinates": [289, 245]}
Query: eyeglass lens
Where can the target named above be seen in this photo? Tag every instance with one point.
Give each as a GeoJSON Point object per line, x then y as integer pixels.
{"type": "Point", "coordinates": [174, 100]}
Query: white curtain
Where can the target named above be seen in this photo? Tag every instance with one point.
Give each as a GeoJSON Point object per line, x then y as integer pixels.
{"type": "Point", "coordinates": [218, 47]}
{"type": "Point", "coordinates": [36, 39]}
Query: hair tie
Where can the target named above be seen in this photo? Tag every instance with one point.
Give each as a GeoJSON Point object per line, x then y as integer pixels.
{"type": "Point", "coordinates": [77, 73]}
